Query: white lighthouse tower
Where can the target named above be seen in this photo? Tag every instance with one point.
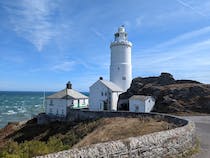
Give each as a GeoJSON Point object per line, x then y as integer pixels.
{"type": "Point", "coordinates": [121, 68]}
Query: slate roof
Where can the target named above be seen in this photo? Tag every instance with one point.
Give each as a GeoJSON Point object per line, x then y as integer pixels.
{"type": "Point", "coordinates": [67, 94]}
{"type": "Point", "coordinates": [139, 97]}
{"type": "Point", "coordinates": [113, 87]}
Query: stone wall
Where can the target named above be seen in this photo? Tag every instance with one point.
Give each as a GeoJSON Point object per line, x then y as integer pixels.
{"type": "Point", "coordinates": [82, 115]}
{"type": "Point", "coordinates": [159, 144]}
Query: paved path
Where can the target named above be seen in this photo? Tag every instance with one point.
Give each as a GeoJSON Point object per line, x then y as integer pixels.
{"type": "Point", "coordinates": [203, 132]}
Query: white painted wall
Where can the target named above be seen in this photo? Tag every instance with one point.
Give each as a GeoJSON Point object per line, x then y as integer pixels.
{"type": "Point", "coordinates": [56, 107]}
{"type": "Point", "coordinates": [121, 67]}
{"type": "Point", "coordinates": [114, 97]}
{"type": "Point", "coordinates": [96, 98]}
{"type": "Point", "coordinates": [78, 103]}
{"type": "Point", "coordinates": [136, 105]}
{"type": "Point", "coordinates": [59, 106]}
{"type": "Point", "coordinates": [150, 102]}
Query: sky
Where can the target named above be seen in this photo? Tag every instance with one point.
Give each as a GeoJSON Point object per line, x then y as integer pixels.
{"type": "Point", "coordinates": [45, 43]}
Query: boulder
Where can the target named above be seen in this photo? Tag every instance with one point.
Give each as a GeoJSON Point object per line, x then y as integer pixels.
{"type": "Point", "coordinates": [172, 96]}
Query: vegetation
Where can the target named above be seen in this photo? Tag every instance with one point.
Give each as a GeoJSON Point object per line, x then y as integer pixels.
{"type": "Point", "coordinates": [33, 140]}
{"type": "Point", "coordinates": [32, 148]}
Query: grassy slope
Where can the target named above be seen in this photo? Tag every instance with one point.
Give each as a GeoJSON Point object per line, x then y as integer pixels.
{"type": "Point", "coordinates": [31, 136]}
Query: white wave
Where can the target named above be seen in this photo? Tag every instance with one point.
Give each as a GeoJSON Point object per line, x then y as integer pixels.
{"type": "Point", "coordinates": [10, 112]}
{"type": "Point", "coordinates": [37, 105]}
{"type": "Point", "coordinates": [21, 109]}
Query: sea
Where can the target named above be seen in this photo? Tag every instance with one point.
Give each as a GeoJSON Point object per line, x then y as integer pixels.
{"type": "Point", "coordinates": [21, 106]}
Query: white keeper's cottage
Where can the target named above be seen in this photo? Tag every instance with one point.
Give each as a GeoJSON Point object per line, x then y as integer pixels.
{"type": "Point", "coordinates": [104, 95]}
{"type": "Point", "coordinates": [141, 103]}
{"type": "Point", "coordinates": [58, 103]}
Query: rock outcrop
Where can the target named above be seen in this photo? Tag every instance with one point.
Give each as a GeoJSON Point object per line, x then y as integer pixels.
{"type": "Point", "coordinates": [172, 96]}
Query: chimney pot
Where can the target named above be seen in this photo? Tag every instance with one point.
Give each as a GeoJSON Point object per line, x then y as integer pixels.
{"type": "Point", "coordinates": [69, 85]}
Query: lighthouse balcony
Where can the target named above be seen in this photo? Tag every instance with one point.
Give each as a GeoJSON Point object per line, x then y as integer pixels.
{"type": "Point", "coordinates": [119, 43]}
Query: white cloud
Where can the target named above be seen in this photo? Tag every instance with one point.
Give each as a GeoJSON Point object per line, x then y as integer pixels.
{"type": "Point", "coordinates": [162, 57]}
{"type": "Point", "coordinates": [139, 21]}
{"type": "Point", "coordinates": [186, 36]}
{"type": "Point", "coordinates": [178, 12]}
{"type": "Point", "coordinates": [183, 3]}
{"type": "Point", "coordinates": [31, 19]}
{"type": "Point", "coordinates": [64, 66]}
{"type": "Point", "coordinates": [186, 56]}
{"type": "Point", "coordinates": [98, 34]}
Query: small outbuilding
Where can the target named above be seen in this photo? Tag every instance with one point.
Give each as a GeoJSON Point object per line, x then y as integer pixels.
{"type": "Point", "coordinates": [104, 96]}
{"type": "Point", "coordinates": [141, 103]}
{"type": "Point", "coordinates": [57, 104]}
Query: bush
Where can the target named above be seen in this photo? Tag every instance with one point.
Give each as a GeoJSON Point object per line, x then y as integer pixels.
{"type": "Point", "coordinates": [54, 144]}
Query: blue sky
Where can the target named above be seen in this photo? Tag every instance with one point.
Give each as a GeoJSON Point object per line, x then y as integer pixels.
{"type": "Point", "coordinates": [45, 43]}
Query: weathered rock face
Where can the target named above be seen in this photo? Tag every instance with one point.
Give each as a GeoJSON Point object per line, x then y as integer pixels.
{"type": "Point", "coordinates": [172, 96]}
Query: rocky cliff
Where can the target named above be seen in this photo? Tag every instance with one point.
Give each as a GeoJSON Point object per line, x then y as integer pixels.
{"type": "Point", "coordinates": [172, 96]}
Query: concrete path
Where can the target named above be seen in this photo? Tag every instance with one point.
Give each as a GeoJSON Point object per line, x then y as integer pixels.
{"type": "Point", "coordinates": [203, 132]}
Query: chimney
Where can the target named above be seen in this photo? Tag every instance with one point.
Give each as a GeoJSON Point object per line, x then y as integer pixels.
{"type": "Point", "coordinates": [69, 85]}
{"type": "Point", "coordinates": [100, 78]}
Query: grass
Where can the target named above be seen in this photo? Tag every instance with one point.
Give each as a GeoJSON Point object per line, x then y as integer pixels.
{"type": "Point", "coordinates": [120, 128]}
{"type": "Point", "coordinates": [31, 139]}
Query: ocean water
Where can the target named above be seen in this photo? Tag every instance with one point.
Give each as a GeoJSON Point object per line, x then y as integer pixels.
{"type": "Point", "coordinates": [19, 106]}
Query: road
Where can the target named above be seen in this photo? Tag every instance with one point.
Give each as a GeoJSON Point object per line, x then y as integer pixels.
{"type": "Point", "coordinates": [202, 124]}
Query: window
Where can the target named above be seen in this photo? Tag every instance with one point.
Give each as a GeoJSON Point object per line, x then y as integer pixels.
{"type": "Point", "coordinates": [102, 94]}
{"type": "Point", "coordinates": [62, 112]}
{"type": "Point", "coordinates": [51, 102]}
{"type": "Point", "coordinates": [101, 106]}
{"type": "Point", "coordinates": [136, 108]}
{"type": "Point", "coordinates": [118, 68]}
{"type": "Point", "coordinates": [57, 112]}
{"type": "Point", "coordinates": [105, 94]}
{"type": "Point", "coordinates": [50, 110]}
{"type": "Point", "coordinates": [117, 35]}
{"type": "Point", "coordinates": [123, 78]}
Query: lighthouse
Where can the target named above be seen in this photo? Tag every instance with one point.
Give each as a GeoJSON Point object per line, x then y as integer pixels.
{"type": "Point", "coordinates": [121, 68]}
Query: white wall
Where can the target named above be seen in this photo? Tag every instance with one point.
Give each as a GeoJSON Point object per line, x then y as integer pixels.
{"type": "Point", "coordinates": [114, 98]}
{"type": "Point", "coordinates": [78, 103]}
{"type": "Point", "coordinates": [121, 68]}
{"type": "Point", "coordinates": [58, 107]}
{"type": "Point", "coordinates": [96, 99]}
{"type": "Point", "coordinates": [150, 102]}
{"type": "Point", "coordinates": [133, 103]}
{"type": "Point", "coordinates": [143, 106]}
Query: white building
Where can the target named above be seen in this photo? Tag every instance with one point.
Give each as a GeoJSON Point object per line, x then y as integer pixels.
{"type": "Point", "coordinates": [120, 68]}
{"type": "Point", "coordinates": [141, 103]}
{"type": "Point", "coordinates": [58, 103]}
{"type": "Point", "coordinates": [104, 95]}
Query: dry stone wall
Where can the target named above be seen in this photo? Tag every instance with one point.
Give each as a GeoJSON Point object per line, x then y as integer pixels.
{"type": "Point", "coordinates": [159, 144]}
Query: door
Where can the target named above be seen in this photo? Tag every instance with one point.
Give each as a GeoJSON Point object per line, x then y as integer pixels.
{"type": "Point", "coordinates": [136, 108]}
{"type": "Point", "coordinates": [105, 105]}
